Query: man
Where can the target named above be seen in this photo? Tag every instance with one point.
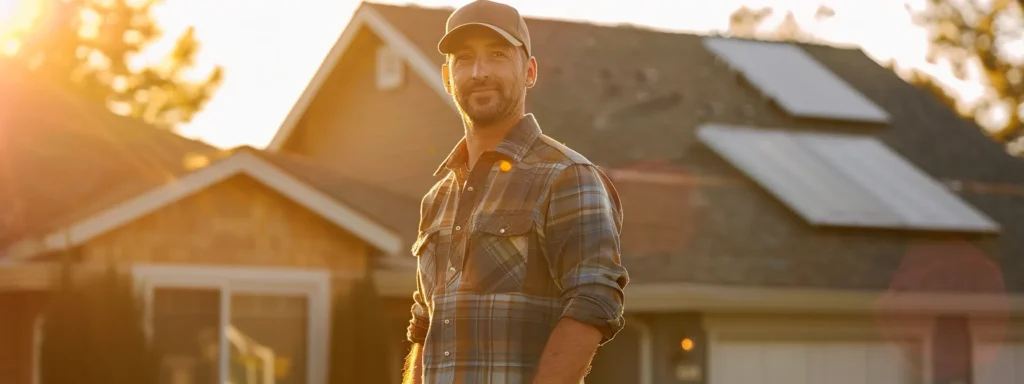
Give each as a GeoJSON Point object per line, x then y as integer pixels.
{"type": "Point", "coordinates": [519, 277]}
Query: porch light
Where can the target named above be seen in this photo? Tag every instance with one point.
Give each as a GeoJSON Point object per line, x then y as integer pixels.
{"type": "Point", "coordinates": [687, 367]}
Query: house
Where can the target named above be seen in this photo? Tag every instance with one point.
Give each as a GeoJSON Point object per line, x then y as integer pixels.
{"type": "Point", "coordinates": [794, 212]}
{"type": "Point", "coordinates": [254, 243]}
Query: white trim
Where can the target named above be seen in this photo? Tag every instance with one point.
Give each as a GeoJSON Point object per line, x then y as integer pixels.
{"type": "Point", "coordinates": [672, 297]}
{"type": "Point", "coordinates": [368, 17]}
{"type": "Point", "coordinates": [315, 284]}
{"type": "Point", "coordinates": [646, 357]}
{"type": "Point", "coordinates": [241, 162]}
{"type": "Point", "coordinates": [675, 297]}
{"type": "Point", "coordinates": [719, 326]}
{"type": "Point", "coordinates": [37, 348]}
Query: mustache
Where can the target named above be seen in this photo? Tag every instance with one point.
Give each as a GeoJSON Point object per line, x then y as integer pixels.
{"type": "Point", "coordinates": [480, 85]}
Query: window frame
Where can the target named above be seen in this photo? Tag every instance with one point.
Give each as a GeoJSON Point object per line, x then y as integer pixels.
{"type": "Point", "coordinates": [315, 285]}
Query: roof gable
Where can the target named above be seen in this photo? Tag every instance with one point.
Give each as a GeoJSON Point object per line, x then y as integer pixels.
{"type": "Point", "coordinates": [366, 16]}
{"type": "Point", "coordinates": [243, 161]}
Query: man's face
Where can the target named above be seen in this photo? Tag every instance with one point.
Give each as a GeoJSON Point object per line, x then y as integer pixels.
{"type": "Point", "coordinates": [487, 77]}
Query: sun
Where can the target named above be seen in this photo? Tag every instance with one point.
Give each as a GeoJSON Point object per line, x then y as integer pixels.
{"type": "Point", "coordinates": [15, 15]}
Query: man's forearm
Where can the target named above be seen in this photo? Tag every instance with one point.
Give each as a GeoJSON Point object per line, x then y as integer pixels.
{"type": "Point", "coordinates": [413, 366]}
{"type": "Point", "coordinates": [568, 353]}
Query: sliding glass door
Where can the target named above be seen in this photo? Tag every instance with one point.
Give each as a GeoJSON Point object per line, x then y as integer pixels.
{"type": "Point", "coordinates": [267, 339]}
{"type": "Point", "coordinates": [238, 328]}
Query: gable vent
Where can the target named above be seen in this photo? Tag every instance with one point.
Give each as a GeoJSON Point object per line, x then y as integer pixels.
{"type": "Point", "coordinates": [390, 68]}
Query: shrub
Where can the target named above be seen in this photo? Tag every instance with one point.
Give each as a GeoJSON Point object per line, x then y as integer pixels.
{"type": "Point", "coordinates": [93, 334]}
{"type": "Point", "coordinates": [359, 347]}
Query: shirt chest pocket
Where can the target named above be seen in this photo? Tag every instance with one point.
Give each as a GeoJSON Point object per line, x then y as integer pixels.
{"type": "Point", "coordinates": [425, 250]}
{"type": "Point", "coordinates": [498, 252]}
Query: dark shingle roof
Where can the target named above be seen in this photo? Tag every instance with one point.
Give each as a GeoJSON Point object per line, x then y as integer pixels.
{"type": "Point", "coordinates": [62, 159]}
{"type": "Point", "coordinates": [396, 212]}
{"type": "Point", "coordinates": [62, 156]}
{"type": "Point", "coordinates": [627, 95]}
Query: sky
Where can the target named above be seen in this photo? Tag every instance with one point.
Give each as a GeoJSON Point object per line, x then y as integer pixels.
{"type": "Point", "coordinates": [270, 49]}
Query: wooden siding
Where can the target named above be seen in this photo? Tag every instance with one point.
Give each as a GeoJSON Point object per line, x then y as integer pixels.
{"type": "Point", "coordinates": [394, 138]}
{"type": "Point", "coordinates": [239, 222]}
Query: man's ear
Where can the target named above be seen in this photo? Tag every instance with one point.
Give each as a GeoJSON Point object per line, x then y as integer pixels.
{"type": "Point", "coordinates": [446, 75]}
{"type": "Point", "coordinates": [531, 72]}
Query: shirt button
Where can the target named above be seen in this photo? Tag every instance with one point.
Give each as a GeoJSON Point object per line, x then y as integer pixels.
{"type": "Point", "coordinates": [470, 189]}
{"type": "Point", "coordinates": [446, 353]}
{"type": "Point", "coordinates": [457, 227]}
{"type": "Point", "coordinates": [452, 268]}
{"type": "Point", "coordinates": [446, 321]}
{"type": "Point", "coordinates": [501, 230]}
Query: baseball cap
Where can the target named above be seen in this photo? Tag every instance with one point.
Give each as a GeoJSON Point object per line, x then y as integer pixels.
{"type": "Point", "coordinates": [500, 18]}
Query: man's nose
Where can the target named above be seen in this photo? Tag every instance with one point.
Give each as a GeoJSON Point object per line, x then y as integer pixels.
{"type": "Point", "coordinates": [480, 70]}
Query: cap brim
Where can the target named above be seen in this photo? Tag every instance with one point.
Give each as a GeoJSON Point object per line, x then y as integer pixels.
{"type": "Point", "coordinates": [442, 46]}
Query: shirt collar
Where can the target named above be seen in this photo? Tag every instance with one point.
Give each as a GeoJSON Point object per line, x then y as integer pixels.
{"type": "Point", "coordinates": [515, 145]}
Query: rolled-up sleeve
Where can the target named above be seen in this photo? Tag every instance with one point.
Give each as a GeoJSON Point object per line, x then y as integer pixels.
{"type": "Point", "coordinates": [420, 321]}
{"type": "Point", "coordinates": [582, 239]}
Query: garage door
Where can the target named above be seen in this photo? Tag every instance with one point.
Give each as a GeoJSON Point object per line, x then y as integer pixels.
{"type": "Point", "coordinates": [808, 362]}
{"type": "Point", "coordinates": [999, 363]}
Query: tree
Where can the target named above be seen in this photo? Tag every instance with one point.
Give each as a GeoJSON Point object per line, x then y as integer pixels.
{"type": "Point", "coordinates": [92, 47]}
{"type": "Point", "coordinates": [928, 83]}
{"type": "Point", "coordinates": [93, 333]}
{"type": "Point", "coordinates": [981, 34]}
{"type": "Point", "coordinates": [750, 23]}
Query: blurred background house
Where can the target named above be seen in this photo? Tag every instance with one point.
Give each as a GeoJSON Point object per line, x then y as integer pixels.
{"type": "Point", "coordinates": [795, 211]}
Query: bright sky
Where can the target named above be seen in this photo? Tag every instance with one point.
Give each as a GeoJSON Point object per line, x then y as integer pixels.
{"type": "Point", "coordinates": [271, 48]}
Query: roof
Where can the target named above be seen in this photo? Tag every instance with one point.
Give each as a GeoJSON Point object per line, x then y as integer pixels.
{"type": "Point", "coordinates": [61, 155]}
{"type": "Point", "coordinates": [396, 212]}
{"type": "Point", "coordinates": [625, 95]}
{"type": "Point", "coordinates": [65, 161]}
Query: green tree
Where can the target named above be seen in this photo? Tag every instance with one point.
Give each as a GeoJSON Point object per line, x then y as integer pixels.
{"type": "Point", "coordinates": [983, 35]}
{"type": "Point", "coordinates": [92, 333]}
{"type": "Point", "coordinates": [93, 46]}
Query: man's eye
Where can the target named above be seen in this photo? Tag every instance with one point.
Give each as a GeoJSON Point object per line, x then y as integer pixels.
{"type": "Point", "coordinates": [498, 54]}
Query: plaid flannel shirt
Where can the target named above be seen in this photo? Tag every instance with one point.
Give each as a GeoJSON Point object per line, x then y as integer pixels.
{"type": "Point", "coordinates": [531, 235]}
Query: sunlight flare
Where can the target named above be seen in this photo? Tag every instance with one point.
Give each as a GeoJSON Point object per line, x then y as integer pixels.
{"type": "Point", "coordinates": [15, 16]}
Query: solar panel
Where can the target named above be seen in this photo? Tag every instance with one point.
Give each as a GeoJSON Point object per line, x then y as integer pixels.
{"type": "Point", "coordinates": [797, 82]}
{"type": "Point", "coordinates": [843, 180]}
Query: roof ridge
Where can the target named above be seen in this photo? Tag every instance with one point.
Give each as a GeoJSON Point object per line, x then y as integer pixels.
{"type": "Point", "coordinates": [627, 26]}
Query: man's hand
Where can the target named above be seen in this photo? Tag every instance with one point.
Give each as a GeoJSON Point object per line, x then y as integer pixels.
{"type": "Point", "coordinates": [568, 353]}
{"type": "Point", "coordinates": [413, 366]}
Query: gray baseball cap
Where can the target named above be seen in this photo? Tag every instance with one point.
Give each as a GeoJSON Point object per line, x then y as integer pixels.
{"type": "Point", "coordinates": [500, 18]}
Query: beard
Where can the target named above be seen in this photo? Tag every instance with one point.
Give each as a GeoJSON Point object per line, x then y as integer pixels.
{"type": "Point", "coordinates": [484, 103]}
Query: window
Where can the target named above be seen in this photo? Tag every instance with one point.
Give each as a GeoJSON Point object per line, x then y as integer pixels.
{"type": "Point", "coordinates": [237, 326]}
{"type": "Point", "coordinates": [390, 69]}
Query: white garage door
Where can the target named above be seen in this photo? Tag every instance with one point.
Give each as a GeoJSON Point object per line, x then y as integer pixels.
{"type": "Point", "coordinates": [764, 362]}
{"type": "Point", "coordinates": [999, 363]}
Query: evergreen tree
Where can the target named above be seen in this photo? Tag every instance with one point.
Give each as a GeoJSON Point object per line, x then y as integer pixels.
{"type": "Point", "coordinates": [92, 47]}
